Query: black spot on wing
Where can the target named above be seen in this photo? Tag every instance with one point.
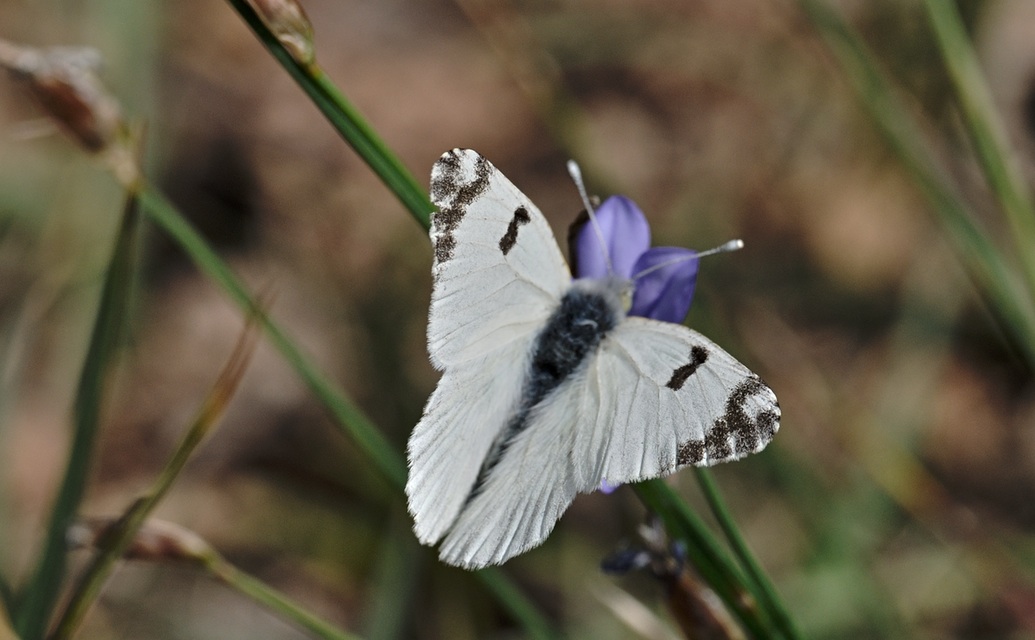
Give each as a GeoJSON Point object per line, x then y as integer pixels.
{"type": "Point", "coordinates": [509, 239]}
{"type": "Point", "coordinates": [698, 356]}
{"type": "Point", "coordinates": [452, 196]}
{"type": "Point", "coordinates": [735, 433]}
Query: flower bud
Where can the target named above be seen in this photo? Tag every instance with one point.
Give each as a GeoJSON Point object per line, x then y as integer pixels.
{"type": "Point", "coordinates": [157, 540]}
{"type": "Point", "coordinates": [65, 82]}
{"type": "Point", "coordinates": [288, 22]}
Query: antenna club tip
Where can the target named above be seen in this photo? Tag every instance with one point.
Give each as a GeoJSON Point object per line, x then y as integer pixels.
{"type": "Point", "coordinates": [732, 245]}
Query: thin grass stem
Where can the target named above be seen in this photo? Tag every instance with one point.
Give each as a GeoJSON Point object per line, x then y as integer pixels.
{"type": "Point", "coordinates": [272, 599]}
{"type": "Point", "coordinates": [903, 135]}
{"type": "Point", "coordinates": [505, 591]}
{"type": "Point", "coordinates": [345, 118]}
{"type": "Point", "coordinates": [120, 536]}
{"type": "Point", "coordinates": [356, 425]}
{"type": "Point", "coordinates": [986, 130]}
{"type": "Point", "coordinates": [41, 593]}
{"type": "Point", "coordinates": [395, 578]}
{"type": "Point", "coordinates": [764, 589]}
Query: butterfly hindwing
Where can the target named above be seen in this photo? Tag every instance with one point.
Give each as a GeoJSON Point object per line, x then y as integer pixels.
{"type": "Point", "coordinates": [498, 271]}
{"type": "Point", "coordinates": [463, 417]}
{"type": "Point", "coordinates": [659, 396]}
{"type": "Point", "coordinates": [526, 493]}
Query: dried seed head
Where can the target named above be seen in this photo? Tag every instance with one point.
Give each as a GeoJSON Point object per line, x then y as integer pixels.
{"type": "Point", "coordinates": [64, 80]}
{"type": "Point", "coordinates": [289, 23]}
{"type": "Point", "coordinates": [157, 540]}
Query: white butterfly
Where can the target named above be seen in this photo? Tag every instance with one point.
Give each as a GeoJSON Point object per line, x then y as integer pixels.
{"type": "Point", "coordinates": [548, 388]}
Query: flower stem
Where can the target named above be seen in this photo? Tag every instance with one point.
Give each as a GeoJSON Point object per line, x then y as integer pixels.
{"type": "Point", "coordinates": [764, 589]}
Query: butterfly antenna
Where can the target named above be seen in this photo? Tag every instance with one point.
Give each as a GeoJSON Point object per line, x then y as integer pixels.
{"type": "Point", "coordinates": [732, 245]}
{"type": "Point", "coordinates": [576, 176]}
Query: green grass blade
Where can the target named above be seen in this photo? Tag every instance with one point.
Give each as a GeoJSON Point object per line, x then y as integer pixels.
{"type": "Point", "coordinates": [707, 556]}
{"type": "Point", "coordinates": [273, 600]}
{"type": "Point", "coordinates": [519, 606]}
{"type": "Point", "coordinates": [395, 578]}
{"type": "Point", "coordinates": [986, 130]}
{"type": "Point", "coordinates": [902, 134]}
{"type": "Point", "coordinates": [7, 598]}
{"type": "Point", "coordinates": [763, 589]}
{"type": "Point", "coordinates": [40, 595]}
{"type": "Point", "coordinates": [352, 127]}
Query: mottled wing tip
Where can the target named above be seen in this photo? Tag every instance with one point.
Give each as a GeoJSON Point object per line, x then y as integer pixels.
{"type": "Point", "coordinates": [458, 178]}
{"type": "Point", "coordinates": [751, 419]}
{"type": "Point", "coordinates": [748, 424]}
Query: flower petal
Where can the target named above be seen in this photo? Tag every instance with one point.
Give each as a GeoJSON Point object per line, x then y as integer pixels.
{"type": "Point", "coordinates": [626, 236]}
{"type": "Point", "coordinates": [666, 289]}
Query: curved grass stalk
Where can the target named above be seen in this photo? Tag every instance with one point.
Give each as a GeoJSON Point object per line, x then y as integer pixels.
{"type": "Point", "coordinates": [763, 587]}
{"type": "Point", "coordinates": [345, 118]}
{"type": "Point", "coordinates": [986, 130]}
{"type": "Point", "coordinates": [118, 538]}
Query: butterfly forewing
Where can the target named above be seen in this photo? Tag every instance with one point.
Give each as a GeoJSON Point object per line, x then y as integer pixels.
{"type": "Point", "coordinates": [498, 272]}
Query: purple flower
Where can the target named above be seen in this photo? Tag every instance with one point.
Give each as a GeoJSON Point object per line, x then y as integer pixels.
{"type": "Point", "coordinates": [663, 277]}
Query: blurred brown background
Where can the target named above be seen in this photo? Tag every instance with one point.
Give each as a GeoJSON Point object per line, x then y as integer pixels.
{"type": "Point", "coordinates": [897, 499]}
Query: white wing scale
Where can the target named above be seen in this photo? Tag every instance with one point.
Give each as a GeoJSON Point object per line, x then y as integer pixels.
{"type": "Point", "coordinates": [617, 421]}
{"type": "Point", "coordinates": [462, 419]}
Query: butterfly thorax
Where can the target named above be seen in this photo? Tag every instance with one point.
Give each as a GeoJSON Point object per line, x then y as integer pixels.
{"type": "Point", "coordinates": [586, 313]}
{"type": "Point", "coordinates": [617, 291]}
